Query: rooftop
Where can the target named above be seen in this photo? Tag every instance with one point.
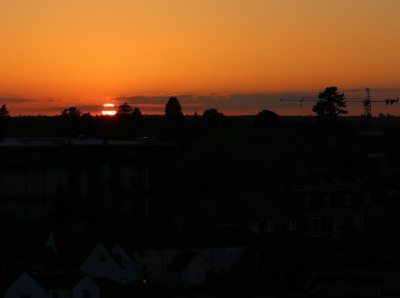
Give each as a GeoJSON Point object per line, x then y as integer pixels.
{"type": "Point", "coordinates": [80, 141]}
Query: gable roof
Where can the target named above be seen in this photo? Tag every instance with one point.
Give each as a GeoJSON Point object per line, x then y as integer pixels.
{"type": "Point", "coordinates": [58, 281]}
{"type": "Point", "coordinates": [182, 260]}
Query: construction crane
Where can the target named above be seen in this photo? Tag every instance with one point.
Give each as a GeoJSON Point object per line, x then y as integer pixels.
{"type": "Point", "coordinates": [365, 101]}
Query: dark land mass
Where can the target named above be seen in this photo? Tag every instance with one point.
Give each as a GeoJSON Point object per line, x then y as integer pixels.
{"type": "Point", "coordinates": [316, 206]}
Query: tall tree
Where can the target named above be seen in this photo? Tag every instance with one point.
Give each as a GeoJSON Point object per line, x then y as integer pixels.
{"type": "Point", "coordinates": [125, 109]}
{"type": "Point", "coordinates": [212, 117]}
{"type": "Point", "coordinates": [173, 110]}
{"type": "Point", "coordinates": [4, 112]}
{"type": "Point", "coordinates": [137, 114]}
{"type": "Point", "coordinates": [266, 119]}
{"type": "Point", "coordinates": [330, 105]}
{"type": "Point", "coordinates": [71, 112]}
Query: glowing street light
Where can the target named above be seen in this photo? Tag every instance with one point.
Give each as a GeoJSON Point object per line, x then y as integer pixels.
{"type": "Point", "coordinates": [109, 109]}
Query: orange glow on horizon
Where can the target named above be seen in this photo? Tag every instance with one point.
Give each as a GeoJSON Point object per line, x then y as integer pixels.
{"type": "Point", "coordinates": [57, 54]}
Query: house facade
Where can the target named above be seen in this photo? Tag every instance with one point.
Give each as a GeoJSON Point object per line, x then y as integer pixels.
{"type": "Point", "coordinates": [330, 210]}
{"type": "Point", "coordinates": [52, 286]}
{"type": "Point", "coordinates": [25, 287]}
{"type": "Point", "coordinates": [155, 265]}
{"type": "Point", "coordinates": [47, 180]}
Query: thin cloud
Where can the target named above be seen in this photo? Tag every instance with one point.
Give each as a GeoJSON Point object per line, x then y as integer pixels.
{"type": "Point", "coordinates": [16, 100]}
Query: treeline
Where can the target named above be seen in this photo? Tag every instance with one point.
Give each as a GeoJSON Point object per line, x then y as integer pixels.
{"type": "Point", "coordinates": [128, 123]}
{"type": "Point", "coordinates": [221, 156]}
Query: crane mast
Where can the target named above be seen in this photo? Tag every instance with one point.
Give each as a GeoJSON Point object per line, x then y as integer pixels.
{"type": "Point", "coordinates": [365, 101]}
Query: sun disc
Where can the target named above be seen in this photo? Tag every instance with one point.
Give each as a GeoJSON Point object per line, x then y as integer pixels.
{"type": "Point", "coordinates": [109, 109]}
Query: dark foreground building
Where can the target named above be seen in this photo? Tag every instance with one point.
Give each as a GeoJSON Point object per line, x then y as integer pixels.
{"type": "Point", "coordinates": [78, 180]}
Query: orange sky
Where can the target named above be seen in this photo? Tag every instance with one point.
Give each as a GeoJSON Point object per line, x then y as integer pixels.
{"type": "Point", "coordinates": [56, 54]}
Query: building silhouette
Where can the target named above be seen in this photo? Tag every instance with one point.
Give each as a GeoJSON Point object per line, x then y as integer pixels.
{"type": "Point", "coordinates": [56, 180]}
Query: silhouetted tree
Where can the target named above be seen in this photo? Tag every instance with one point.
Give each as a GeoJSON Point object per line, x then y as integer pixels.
{"type": "Point", "coordinates": [212, 117]}
{"type": "Point", "coordinates": [137, 122]}
{"type": "Point", "coordinates": [72, 112]}
{"type": "Point", "coordinates": [330, 105]}
{"type": "Point", "coordinates": [173, 110]}
{"type": "Point", "coordinates": [4, 112]}
{"type": "Point", "coordinates": [266, 119]}
{"type": "Point", "coordinates": [137, 114]}
{"type": "Point", "coordinates": [124, 109]}
{"type": "Point", "coordinates": [4, 120]}
{"type": "Point", "coordinates": [72, 115]}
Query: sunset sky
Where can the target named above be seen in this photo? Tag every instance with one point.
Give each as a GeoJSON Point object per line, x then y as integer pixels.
{"type": "Point", "coordinates": [239, 56]}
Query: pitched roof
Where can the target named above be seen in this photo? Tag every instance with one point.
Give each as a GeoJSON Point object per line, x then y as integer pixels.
{"type": "Point", "coordinates": [58, 281]}
{"type": "Point", "coordinates": [181, 260]}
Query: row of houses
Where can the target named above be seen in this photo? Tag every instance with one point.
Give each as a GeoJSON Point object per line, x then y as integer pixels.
{"type": "Point", "coordinates": [80, 262]}
{"type": "Point", "coordinates": [79, 180]}
{"type": "Point", "coordinates": [365, 207]}
{"type": "Point", "coordinates": [88, 180]}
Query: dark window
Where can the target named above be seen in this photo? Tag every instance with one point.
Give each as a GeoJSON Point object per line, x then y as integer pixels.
{"type": "Point", "coordinates": [142, 254]}
{"type": "Point", "coordinates": [327, 200]}
{"type": "Point", "coordinates": [292, 225]}
{"type": "Point", "coordinates": [316, 223]}
{"type": "Point", "coordinates": [306, 201]}
{"type": "Point", "coordinates": [359, 222]}
{"type": "Point", "coordinates": [55, 294]}
{"type": "Point", "coordinates": [339, 222]}
{"type": "Point", "coordinates": [367, 199]}
{"type": "Point", "coordinates": [102, 258]}
{"type": "Point", "coordinates": [25, 296]}
{"type": "Point", "coordinates": [346, 199]}
{"type": "Point", "coordinates": [270, 226]}
{"type": "Point", "coordinates": [118, 258]}
{"type": "Point", "coordinates": [85, 294]}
